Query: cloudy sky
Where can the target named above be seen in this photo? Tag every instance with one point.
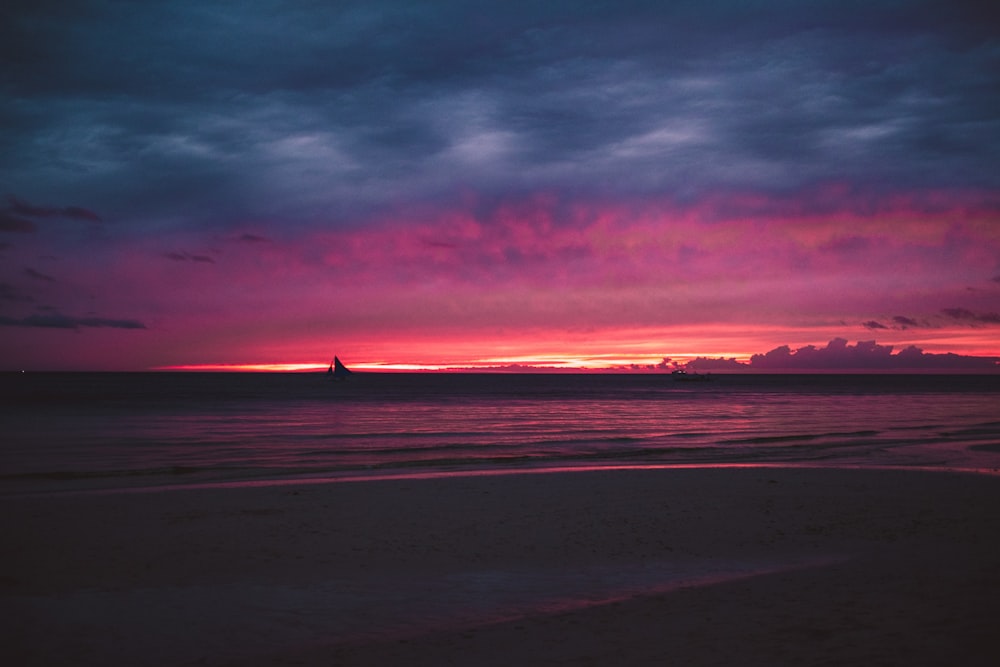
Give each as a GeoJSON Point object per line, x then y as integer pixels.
{"type": "Point", "coordinates": [465, 183]}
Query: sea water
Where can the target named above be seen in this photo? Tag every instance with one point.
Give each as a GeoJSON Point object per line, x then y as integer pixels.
{"type": "Point", "coordinates": [69, 431]}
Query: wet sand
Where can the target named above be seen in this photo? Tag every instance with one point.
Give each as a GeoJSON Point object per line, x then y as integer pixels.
{"type": "Point", "coordinates": [748, 566]}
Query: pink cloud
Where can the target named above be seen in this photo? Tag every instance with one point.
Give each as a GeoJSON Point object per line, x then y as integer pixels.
{"type": "Point", "coordinates": [599, 283]}
{"type": "Point", "coordinates": [537, 265]}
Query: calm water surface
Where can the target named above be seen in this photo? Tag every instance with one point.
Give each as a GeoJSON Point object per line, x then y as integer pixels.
{"type": "Point", "coordinates": [108, 430]}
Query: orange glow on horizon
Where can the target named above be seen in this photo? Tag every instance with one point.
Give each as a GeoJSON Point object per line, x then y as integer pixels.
{"type": "Point", "coordinates": [591, 350]}
{"type": "Point", "coordinates": [629, 350]}
{"type": "Point", "coordinates": [245, 368]}
{"type": "Point", "coordinates": [596, 286]}
{"type": "Point", "coordinates": [541, 362]}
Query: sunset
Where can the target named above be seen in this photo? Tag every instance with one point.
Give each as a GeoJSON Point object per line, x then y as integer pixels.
{"type": "Point", "coordinates": [387, 333]}
{"type": "Point", "coordinates": [473, 185]}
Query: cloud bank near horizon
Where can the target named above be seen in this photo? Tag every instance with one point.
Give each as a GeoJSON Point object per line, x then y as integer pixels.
{"type": "Point", "coordinates": [840, 355]}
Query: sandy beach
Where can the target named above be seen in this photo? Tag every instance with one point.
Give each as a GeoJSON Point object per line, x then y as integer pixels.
{"type": "Point", "coordinates": [749, 566]}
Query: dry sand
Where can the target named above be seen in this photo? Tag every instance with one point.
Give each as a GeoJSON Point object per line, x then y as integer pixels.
{"type": "Point", "coordinates": [749, 566]}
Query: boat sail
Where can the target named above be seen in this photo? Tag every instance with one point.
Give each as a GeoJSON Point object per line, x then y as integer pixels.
{"type": "Point", "coordinates": [337, 370]}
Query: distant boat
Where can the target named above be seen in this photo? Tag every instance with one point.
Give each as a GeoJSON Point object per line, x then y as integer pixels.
{"type": "Point", "coordinates": [681, 375]}
{"type": "Point", "coordinates": [337, 370]}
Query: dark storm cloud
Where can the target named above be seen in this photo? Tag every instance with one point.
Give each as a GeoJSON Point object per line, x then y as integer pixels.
{"type": "Point", "coordinates": [959, 313]}
{"type": "Point", "coordinates": [190, 113]}
{"type": "Point", "coordinates": [10, 293]}
{"type": "Point", "coordinates": [60, 321]}
{"type": "Point", "coordinates": [38, 275]}
{"type": "Point", "coordinates": [188, 257]}
{"type": "Point", "coordinates": [15, 216]}
{"type": "Point", "coordinates": [966, 315]}
{"type": "Point", "coordinates": [253, 238]}
{"type": "Point", "coordinates": [21, 207]}
{"type": "Point", "coordinates": [905, 322]}
{"type": "Point", "coordinates": [12, 223]}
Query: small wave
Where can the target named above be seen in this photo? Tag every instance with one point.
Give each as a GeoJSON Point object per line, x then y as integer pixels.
{"type": "Point", "coordinates": [70, 475]}
{"type": "Point", "coordinates": [974, 430]}
{"type": "Point", "coordinates": [805, 437]}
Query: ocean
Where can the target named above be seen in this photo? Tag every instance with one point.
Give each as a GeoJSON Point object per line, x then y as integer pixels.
{"type": "Point", "coordinates": [118, 431]}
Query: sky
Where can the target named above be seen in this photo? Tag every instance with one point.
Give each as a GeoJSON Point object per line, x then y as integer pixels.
{"type": "Point", "coordinates": [468, 184]}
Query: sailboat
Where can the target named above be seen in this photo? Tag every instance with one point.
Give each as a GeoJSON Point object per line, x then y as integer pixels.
{"type": "Point", "coordinates": [337, 370]}
{"type": "Point", "coordinates": [681, 375]}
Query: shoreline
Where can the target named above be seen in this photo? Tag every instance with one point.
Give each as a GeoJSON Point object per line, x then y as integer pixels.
{"type": "Point", "coordinates": [782, 562]}
{"type": "Point", "coordinates": [60, 487]}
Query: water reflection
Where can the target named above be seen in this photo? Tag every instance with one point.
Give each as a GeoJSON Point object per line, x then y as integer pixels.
{"type": "Point", "coordinates": [566, 421]}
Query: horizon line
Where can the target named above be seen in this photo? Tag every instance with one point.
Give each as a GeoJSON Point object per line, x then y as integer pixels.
{"type": "Point", "coordinates": [300, 369]}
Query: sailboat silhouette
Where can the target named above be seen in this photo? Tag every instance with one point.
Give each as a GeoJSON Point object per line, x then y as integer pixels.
{"type": "Point", "coordinates": [337, 370]}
